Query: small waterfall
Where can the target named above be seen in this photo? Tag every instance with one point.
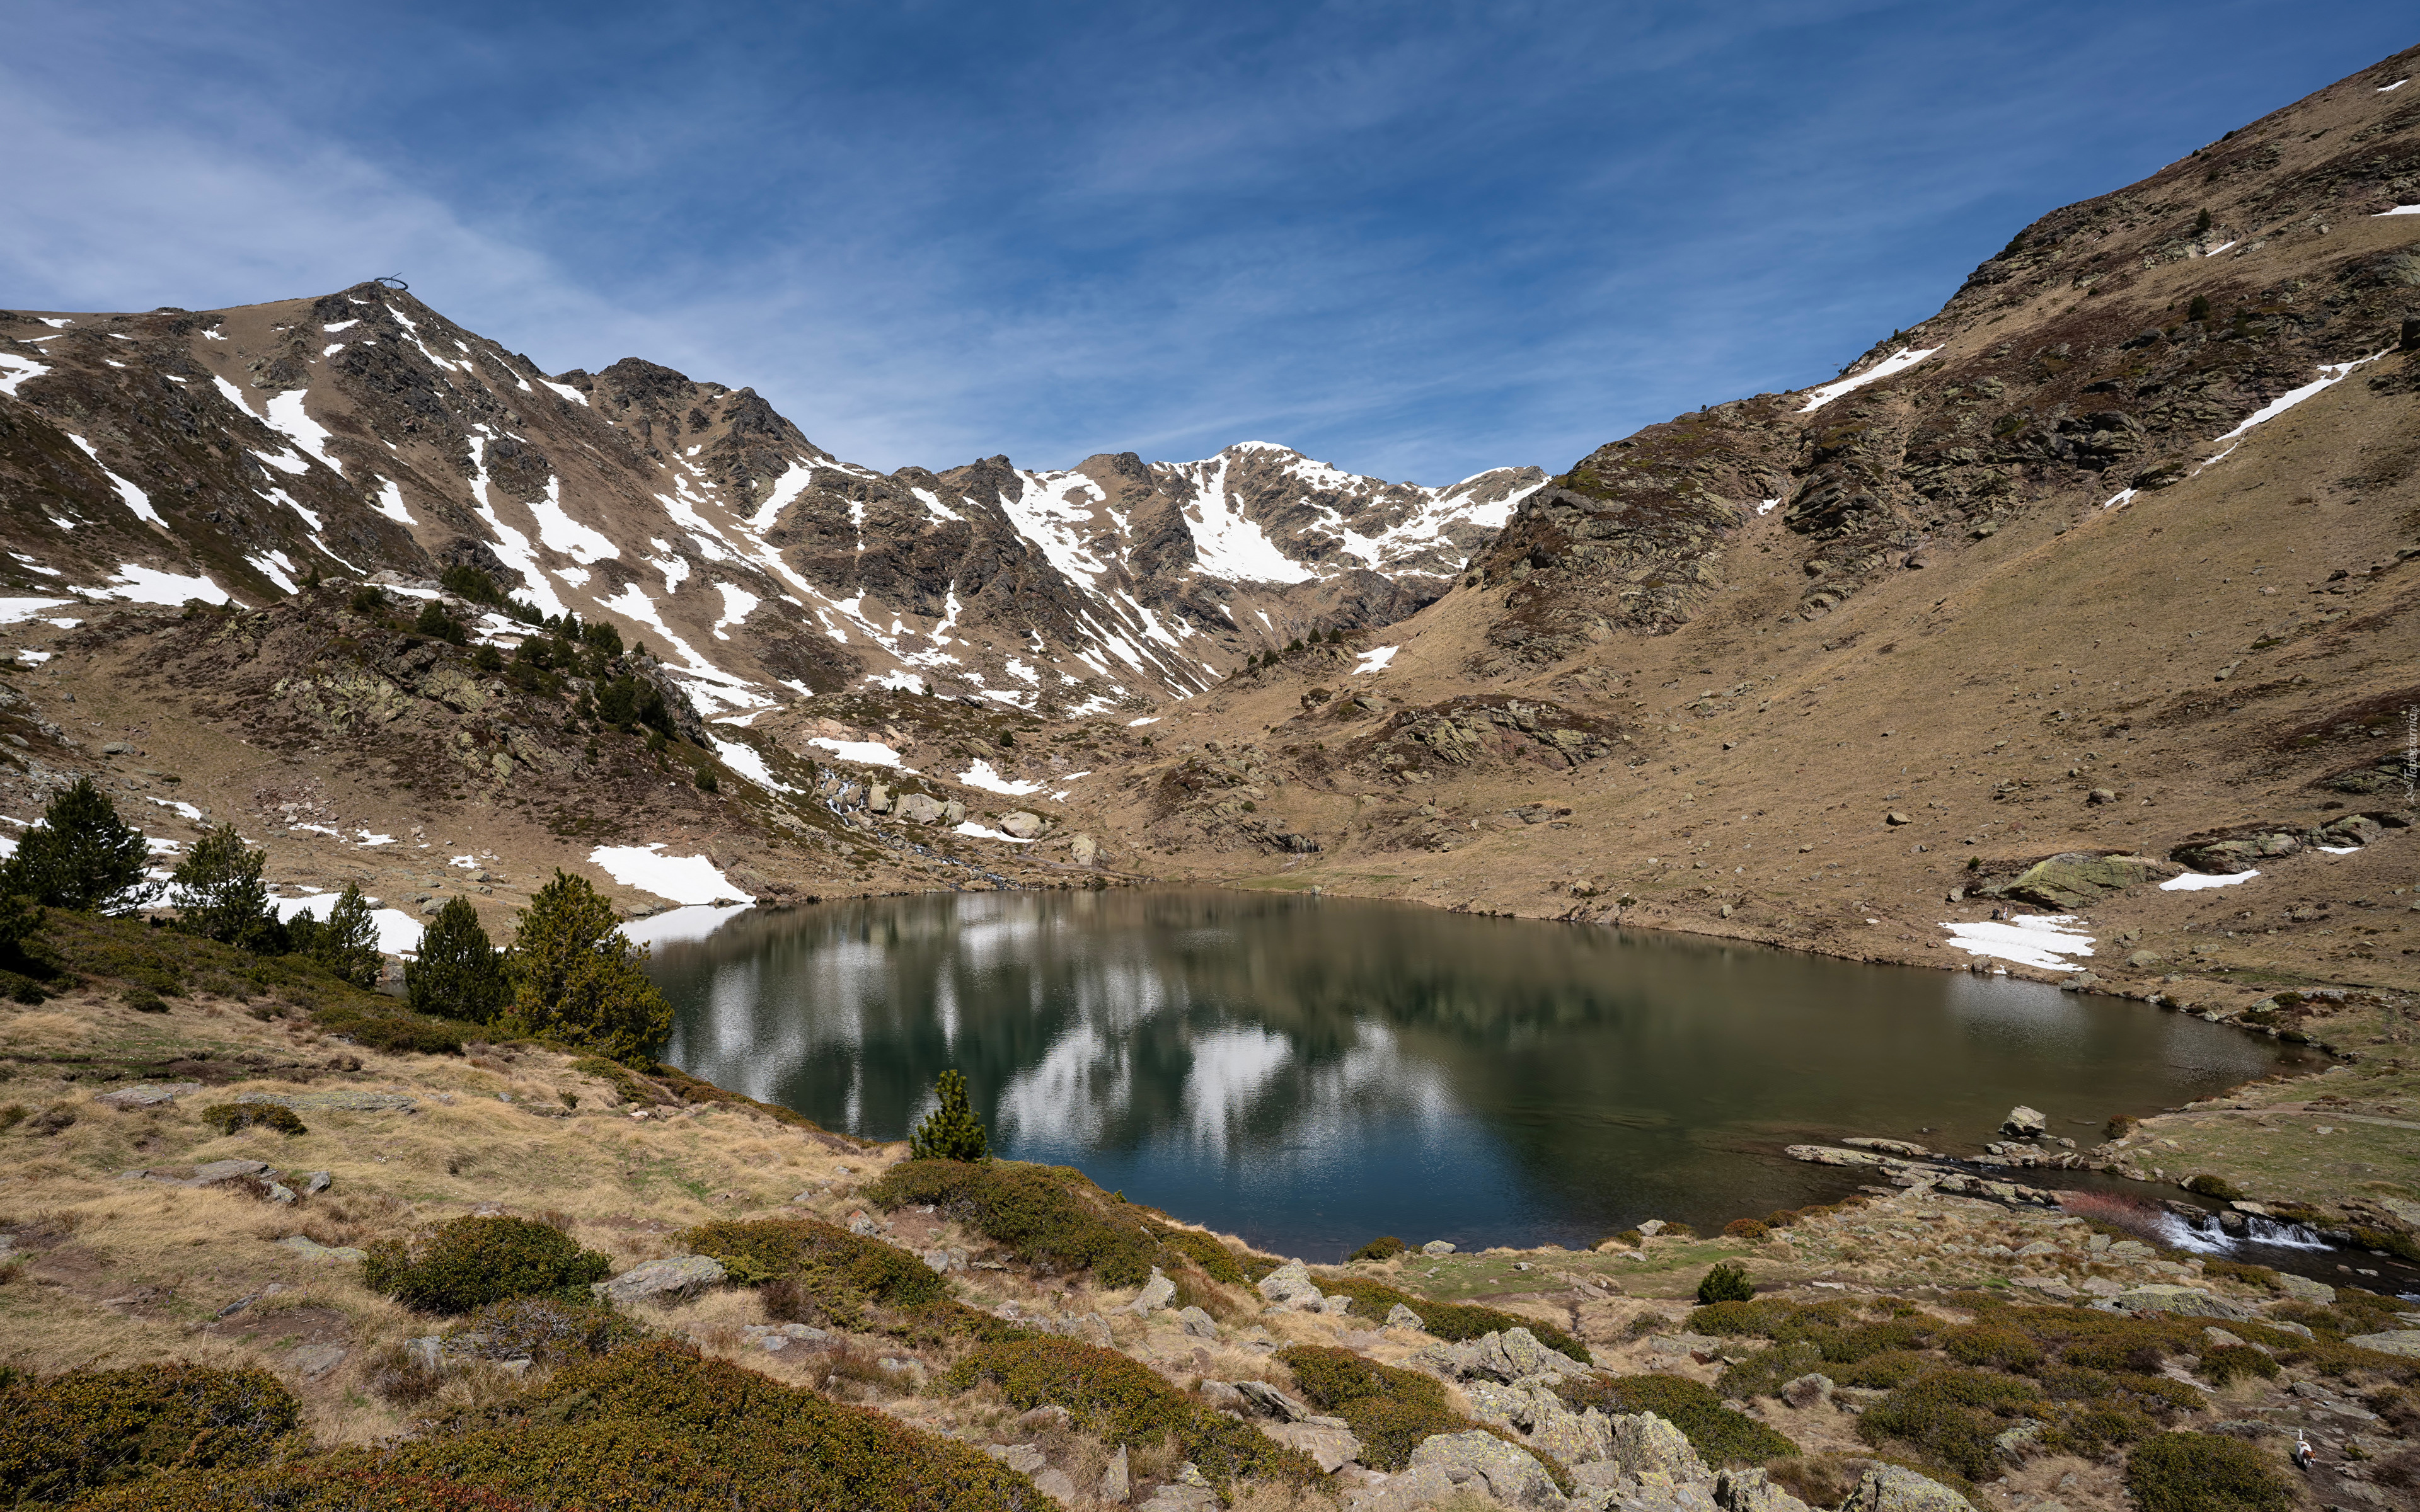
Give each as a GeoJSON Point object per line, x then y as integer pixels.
{"type": "Point", "coordinates": [2207, 1235]}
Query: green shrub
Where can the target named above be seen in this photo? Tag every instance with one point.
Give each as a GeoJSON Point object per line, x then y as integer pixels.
{"type": "Point", "coordinates": [301, 1488]}
{"type": "Point", "coordinates": [1746, 1317]}
{"type": "Point", "coordinates": [436, 624]}
{"type": "Point", "coordinates": [79, 855]}
{"type": "Point", "coordinates": [829, 1273]}
{"type": "Point", "coordinates": [2198, 309]}
{"type": "Point", "coordinates": [576, 979]}
{"type": "Point", "coordinates": [707, 782]}
{"type": "Point", "coordinates": [1725, 1283]}
{"type": "Point", "coordinates": [1389, 1410]}
{"type": "Point", "coordinates": [1720, 1435]}
{"type": "Point", "coordinates": [1950, 1417]}
{"type": "Point", "coordinates": [1451, 1321]}
{"type": "Point", "coordinates": [1048, 1216]}
{"type": "Point", "coordinates": [1982, 1344]}
{"type": "Point", "coordinates": [951, 1130]}
{"type": "Point", "coordinates": [2202, 1472]}
{"type": "Point", "coordinates": [1126, 1402]}
{"type": "Point", "coordinates": [373, 1030]}
{"type": "Point", "coordinates": [143, 1000]}
{"type": "Point", "coordinates": [368, 599]}
{"type": "Point", "coordinates": [459, 974]}
{"type": "Point", "coordinates": [2214, 1187]}
{"type": "Point", "coordinates": [229, 1118]}
{"type": "Point", "coordinates": [1384, 1247]}
{"type": "Point", "coordinates": [469, 1262]}
{"type": "Point", "coordinates": [1751, 1230]}
{"type": "Point", "coordinates": [1889, 1370]}
{"type": "Point", "coordinates": [550, 1330]}
{"type": "Point", "coordinates": [1216, 1260]}
{"type": "Point", "coordinates": [68, 1434]}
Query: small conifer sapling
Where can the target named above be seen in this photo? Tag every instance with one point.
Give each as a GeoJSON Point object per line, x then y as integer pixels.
{"type": "Point", "coordinates": [952, 1131]}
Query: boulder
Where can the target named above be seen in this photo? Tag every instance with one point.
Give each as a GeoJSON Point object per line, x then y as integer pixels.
{"type": "Point", "coordinates": [1813, 1389]}
{"type": "Point", "coordinates": [1290, 1286]}
{"type": "Point", "coordinates": [1083, 849]}
{"type": "Point", "coordinates": [1025, 1459]}
{"type": "Point", "coordinates": [220, 1171]}
{"type": "Point", "coordinates": [1116, 1484]}
{"type": "Point", "coordinates": [1198, 1323]}
{"type": "Point", "coordinates": [878, 797]}
{"type": "Point", "coordinates": [311, 1249]}
{"type": "Point", "coordinates": [1752, 1491]}
{"type": "Point", "coordinates": [1400, 1316]}
{"type": "Point", "coordinates": [2080, 879]}
{"type": "Point", "coordinates": [1890, 1488]}
{"type": "Point", "coordinates": [917, 808]}
{"type": "Point", "coordinates": [1157, 1293]}
{"type": "Point", "coordinates": [1020, 825]}
{"type": "Point", "coordinates": [1056, 1485]}
{"type": "Point", "coordinates": [2405, 1341]}
{"type": "Point", "coordinates": [2182, 1300]}
{"type": "Point", "coordinates": [1484, 1463]}
{"type": "Point", "coordinates": [670, 1280]}
{"type": "Point", "coordinates": [2024, 1124]}
{"type": "Point", "coordinates": [1573, 1438]}
{"type": "Point", "coordinates": [1646, 1444]}
{"type": "Point", "coordinates": [1437, 1246]}
{"type": "Point", "coordinates": [953, 812]}
{"type": "Point", "coordinates": [1268, 1402]}
{"type": "Point", "coordinates": [1333, 1447]}
{"type": "Point", "coordinates": [2303, 1288]}
{"type": "Point", "coordinates": [2240, 852]}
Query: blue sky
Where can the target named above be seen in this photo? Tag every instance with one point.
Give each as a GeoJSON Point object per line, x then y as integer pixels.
{"type": "Point", "coordinates": [1411, 240]}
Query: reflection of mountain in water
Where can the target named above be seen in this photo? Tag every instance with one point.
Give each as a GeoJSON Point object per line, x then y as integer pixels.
{"type": "Point", "coordinates": [1300, 1046]}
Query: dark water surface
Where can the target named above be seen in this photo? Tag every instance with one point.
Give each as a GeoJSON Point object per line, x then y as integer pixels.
{"type": "Point", "coordinates": [1310, 1072]}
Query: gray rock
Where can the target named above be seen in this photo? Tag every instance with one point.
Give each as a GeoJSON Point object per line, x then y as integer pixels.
{"type": "Point", "coordinates": [345, 1102]}
{"type": "Point", "coordinates": [230, 1170]}
{"type": "Point", "coordinates": [2404, 1341]}
{"type": "Point", "coordinates": [953, 812]}
{"type": "Point", "coordinates": [2024, 1124]}
{"type": "Point", "coordinates": [1083, 849]}
{"type": "Point", "coordinates": [2301, 1289]}
{"type": "Point", "coordinates": [917, 808]}
{"type": "Point", "coordinates": [1198, 1323]}
{"type": "Point", "coordinates": [2219, 1338]}
{"type": "Point", "coordinates": [278, 1192]}
{"type": "Point", "coordinates": [1219, 1394]}
{"type": "Point", "coordinates": [1811, 1390]}
{"type": "Point", "coordinates": [1400, 1316]}
{"type": "Point", "coordinates": [1157, 1293]}
{"type": "Point", "coordinates": [424, 1353]}
{"type": "Point", "coordinates": [1515, 1354]}
{"type": "Point", "coordinates": [1053, 1483]}
{"type": "Point", "coordinates": [1483, 1461]}
{"type": "Point", "coordinates": [2080, 879]}
{"type": "Point", "coordinates": [1890, 1488]}
{"type": "Point", "coordinates": [1290, 1286]}
{"type": "Point", "coordinates": [1178, 1497]}
{"type": "Point", "coordinates": [147, 1094]}
{"type": "Point", "coordinates": [671, 1280]}
{"type": "Point", "coordinates": [311, 1249]}
{"type": "Point", "coordinates": [1333, 1447]}
{"type": "Point", "coordinates": [1573, 1438]}
{"type": "Point", "coordinates": [878, 797]}
{"type": "Point", "coordinates": [312, 1361]}
{"type": "Point", "coordinates": [1270, 1402]}
{"type": "Point", "coordinates": [316, 1182]}
{"type": "Point", "coordinates": [1752, 1491]}
{"type": "Point", "coordinates": [2183, 1301]}
{"type": "Point", "coordinates": [1437, 1246]}
{"type": "Point", "coordinates": [1646, 1444]}
{"type": "Point", "coordinates": [1022, 1457]}
{"type": "Point", "coordinates": [1116, 1484]}
{"type": "Point", "coordinates": [1020, 825]}
{"type": "Point", "coordinates": [2018, 1441]}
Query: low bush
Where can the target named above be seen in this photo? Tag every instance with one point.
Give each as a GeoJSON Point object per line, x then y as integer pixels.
{"type": "Point", "coordinates": [816, 1272]}
{"type": "Point", "coordinates": [1051, 1217]}
{"type": "Point", "coordinates": [1455, 1322]}
{"type": "Point", "coordinates": [1751, 1230]}
{"type": "Point", "coordinates": [469, 1262]}
{"type": "Point", "coordinates": [143, 1000]}
{"type": "Point", "coordinates": [1384, 1247]}
{"type": "Point", "coordinates": [2203, 1473]}
{"type": "Point", "coordinates": [228, 1118]}
{"type": "Point", "coordinates": [1818, 1480]}
{"type": "Point", "coordinates": [1389, 1410]}
{"type": "Point", "coordinates": [64, 1435]}
{"type": "Point", "coordinates": [1720, 1435]}
{"type": "Point", "coordinates": [1950, 1417]}
{"type": "Point", "coordinates": [1983, 1344]}
{"type": "Point", "coordinates": [1217, 1262]}
{"type": "Point", "coordinates": [1126, 1402]}
{"type": "Point", "coordinates": [2250, 1276]}
{"type": "Point", "coordinates": [1725, 1283]}
{"type": "Point", "coordinates": [2214, 1187]}
{"type": "Point", "coordinates": [550, 1330]}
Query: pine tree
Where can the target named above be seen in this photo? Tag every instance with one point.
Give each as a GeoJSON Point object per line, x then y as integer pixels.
{"type": "Point", "coordinates": [219, 892]}
{"type": "Point", "coordinates": [82, 857]}
{"type": "Point", "coordinates": [577, 977]}
{"type": "Point", "coordinates": [952, 1131]}
{"type": "Point", "coordinates": [459, 974]}
{"type": "Point", "coordinates": [348, 940]}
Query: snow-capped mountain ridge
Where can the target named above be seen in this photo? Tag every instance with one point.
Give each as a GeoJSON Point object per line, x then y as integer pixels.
{"type": "Point", "coordinates": [224, 453]}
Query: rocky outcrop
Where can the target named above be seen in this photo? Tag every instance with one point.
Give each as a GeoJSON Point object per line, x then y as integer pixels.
{"type": "Point", "coordinates": [670, 1280]}
{"type": "Point", "coordinates": [2080, 879]}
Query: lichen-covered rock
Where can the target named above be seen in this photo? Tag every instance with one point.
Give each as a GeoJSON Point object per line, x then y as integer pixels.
{"type": "Point", "coordinates": [1290, 1286]}
{"type": "Point", "coordinates": [1400, 1316]}
{"type": "Point", "coordinates": [668, 1280]}
{"type": "Point", "coordinates": [2395, 1341]}
{"type": "Point", "coordinates": [1333, 1447]}
{"type": "Point", "coordinates": [2080, 879]}
{"type": "Point", "coordinates": [2184, 1301]}
{"type": "Point", "coordinates": [1510, 1476]}
{"type": "Point", "coordinates": [1197, 1323]}
{"type": "Point", "coordinates": [1646, 1444]}
{"type": "Point", "coordinates": [1157, 1293]}
{"type": "Point", "coordinates": [1752, 1491]}
{"type": "Point", "coordinates": [1890, 1488]}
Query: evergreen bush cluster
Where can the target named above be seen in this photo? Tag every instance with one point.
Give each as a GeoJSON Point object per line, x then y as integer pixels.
{"type": "Point", "coordinates": [1384, 1247]}
{"type": "Point", "coordinates": [1048, 1216]}
{"type": "Point", "coordinates": [818, 1272]}
{"type": "Point", "coordinates": [80, 856]}
{"type": "Point", "coordinates": [67, 1435]}
{"type": "Point", "coordinates": [951, 1130]}
{"type": "Point", "coordinates": [231, 1117]}
{"type": "Point", "coordinates": [1126, 1402]}
{"type": "Point", "coordinates": [2203, 1473]}
{"type": "Point", "coordinates": [1391, 1410]}
{"type": "Point", "coordinates": [1725, 1283]}
{"type": "Point", "coordinates": [469, 1262]}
